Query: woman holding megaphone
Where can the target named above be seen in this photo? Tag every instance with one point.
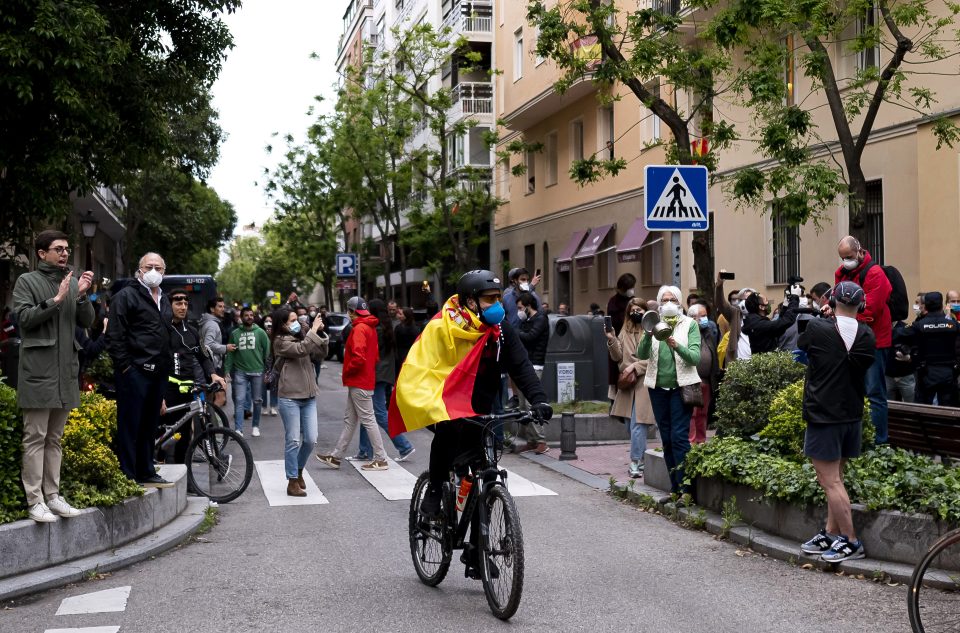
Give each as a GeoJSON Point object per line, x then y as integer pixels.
{"type": "Point", "coordinates": [673, 353]}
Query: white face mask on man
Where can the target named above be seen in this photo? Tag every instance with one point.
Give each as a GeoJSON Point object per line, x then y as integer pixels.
{"type": "Point", "coordinates": [670, 309]}
{"type": "Point", "coordinates": [152, 278]}
{"type": "Point", "coordinates": [850, 263]}
{"type": "Point", "coordinates": [522, 314]}
{"type": "Point", "coordinates": [525, 286]}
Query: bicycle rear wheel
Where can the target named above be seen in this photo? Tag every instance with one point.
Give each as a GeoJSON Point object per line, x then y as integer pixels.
{"type": "Point", "coordinates": [219, 464]}
{"type": "Point", "coordinates": [933, 602]}
{"type": "Point", "coordinates": [429, 544]}
{"type": "Point", "coordinates": [502, 559]}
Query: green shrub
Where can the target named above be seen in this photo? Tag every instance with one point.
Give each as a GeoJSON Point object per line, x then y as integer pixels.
{"type": "Point", "coordinates": [748, 388]}
{"type": "Point", "coordinates": [12, 500]}
{"type": "Point", "coordinates": [786, 426]}
{"type": "Point", "coordinates": [90, 472]}
{"type": "Point", "coordinates": [881, 479]}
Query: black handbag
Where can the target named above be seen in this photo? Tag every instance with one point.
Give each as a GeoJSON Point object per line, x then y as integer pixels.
{"type": "Point", "coordinates": [692, 395]}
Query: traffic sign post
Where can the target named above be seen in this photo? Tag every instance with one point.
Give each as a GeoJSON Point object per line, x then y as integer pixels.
{"type": "Point", "coordinates": [346, 264]}
{"type": "Point", "coordinates": [675, 198]}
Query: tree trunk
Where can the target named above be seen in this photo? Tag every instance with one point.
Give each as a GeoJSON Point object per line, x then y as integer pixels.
{"type": "Point", "coordinates": [703, 261]}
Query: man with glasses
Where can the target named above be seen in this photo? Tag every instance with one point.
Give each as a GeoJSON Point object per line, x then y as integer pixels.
{"type": "Point", "coordinates": [139, 344]}
{"type": "Point", "coordinates": [49, 303]}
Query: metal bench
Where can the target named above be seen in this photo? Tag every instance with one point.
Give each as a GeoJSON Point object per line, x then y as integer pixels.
{"type": "Point", "coordinates": [925, 428]}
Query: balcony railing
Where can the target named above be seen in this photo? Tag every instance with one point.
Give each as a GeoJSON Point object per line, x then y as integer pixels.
{"type": "Point", "coordinates": [472, 97]}
{"type": "Point", "coordinates": [667, 7]}
{"type": "Point", "coordinates": [470, 17]}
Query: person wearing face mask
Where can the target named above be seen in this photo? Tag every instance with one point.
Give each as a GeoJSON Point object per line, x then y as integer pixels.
{"type": "Point", "coordinates": [934, 338]}
{"type": "Point", "coordinates": [534, 334]}
{"type": "Point", "coordinates": [673, 365]}
{"type": "Point", "coordinates": [632, 401]}
{"type": "Point", "coordinates": [270, 396]}
{"type": "Point", "coordinates": [452, 371]}
{"type": "Point", "coordinates": [953, 305]}
{"type": "Point", "coordinates": [722, 323]}
{"type": "Point", "coordinates": [708, 369]}
{"type": "Point", "coordinates": [139, 345]}
{"type": "Point", "coordinates": [858, 266]}
{"type": "Point", "coordinates": [764, 334]}
{"type": "Point", "coordinates": [617, 311]}
{"type": "Point", "coordinates": [519, 282]}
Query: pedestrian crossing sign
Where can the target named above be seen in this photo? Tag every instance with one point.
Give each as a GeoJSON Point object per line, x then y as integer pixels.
{"type": "Point", "coordinates": [676, 198]}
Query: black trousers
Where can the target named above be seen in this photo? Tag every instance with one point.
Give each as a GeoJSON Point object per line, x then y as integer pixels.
{"type": "Point", "coordinates": [173, 397]}
{"type": "Point", "coordinates": [139, 396]}
{"type": "Point", "coordinates": [945, 392]}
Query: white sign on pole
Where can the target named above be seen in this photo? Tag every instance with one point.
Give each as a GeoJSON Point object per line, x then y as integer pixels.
{"type": "Point", "coordinates": [566, 382]}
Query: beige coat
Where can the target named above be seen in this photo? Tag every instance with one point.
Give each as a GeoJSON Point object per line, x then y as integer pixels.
{"type": "Point", "coordinates": [638, 397]}
{"type": "Point", "coordinates": [298, 379]}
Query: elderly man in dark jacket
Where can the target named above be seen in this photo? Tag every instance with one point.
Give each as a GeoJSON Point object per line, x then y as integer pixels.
{"type": "Point", "coordinates": [49, 303]}
{"type": "Point", "coordinates": [534, 332]}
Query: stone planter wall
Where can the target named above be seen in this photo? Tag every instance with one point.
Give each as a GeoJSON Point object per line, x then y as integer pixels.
{"type": "Point", "coordinates": [591, 427]}
{"type": "Point", "coordinates": [887, 534]}
{"type": "Point", "coordinates": [27, 546]}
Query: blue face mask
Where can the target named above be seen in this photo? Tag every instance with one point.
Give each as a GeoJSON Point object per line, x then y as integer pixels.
{"type": "Point", "coordinates": [294, 327]}
{"type": "Point", "coordinates": [494, 314]}
{"type": "Point", "coordinates": [93, 297]}
{"type": "Point", "coordinates": [704, 320]}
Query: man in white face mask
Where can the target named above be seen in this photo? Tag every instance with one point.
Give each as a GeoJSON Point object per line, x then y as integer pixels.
{"type": "Point", "coordinates": [520, 282]}
{"type": "Point", "coordinates": [139, 345]}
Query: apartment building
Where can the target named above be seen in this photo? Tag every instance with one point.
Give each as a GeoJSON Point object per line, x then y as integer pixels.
{"type": "Point", "coordinates": [583, 238]}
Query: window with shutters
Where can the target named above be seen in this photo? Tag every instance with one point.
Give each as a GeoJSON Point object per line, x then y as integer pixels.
{"type": "Point", "coordinates": [869, 227]}
{"type": "Point", "coordinates": [786, 247]}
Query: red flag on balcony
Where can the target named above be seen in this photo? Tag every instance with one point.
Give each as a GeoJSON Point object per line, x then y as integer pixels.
{"type": "Point", "coordinates": [456, 207]}
{"type": "Point", "coordinates": [699, 148]}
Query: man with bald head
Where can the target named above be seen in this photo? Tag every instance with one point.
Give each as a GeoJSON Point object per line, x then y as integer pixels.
{"type": "Point", "coordinates": [139, 345]}
{"type": "Point", "coordinates": [858, 266]}
{"type": "Point", "coordinates": [953, 305]}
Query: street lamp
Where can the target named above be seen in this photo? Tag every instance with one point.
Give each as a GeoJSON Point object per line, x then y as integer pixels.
{"type": "Point", "coordinates": [88, 225]}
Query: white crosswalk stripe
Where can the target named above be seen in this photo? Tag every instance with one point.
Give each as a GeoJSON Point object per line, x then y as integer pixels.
{"type": "Point", "coordinates": [87, 629]}
{"type": "Point", "coordinates": [395, 483]}
{"type": "Point", "coordinates": [106, 601]}
{"type": "Point", "coordinates": [273, 481]}
{"type": "Point", "coordinates": [520, 486]}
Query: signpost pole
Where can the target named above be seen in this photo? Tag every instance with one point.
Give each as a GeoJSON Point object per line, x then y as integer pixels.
{"type": "Point", "coordinates": [675, 252]}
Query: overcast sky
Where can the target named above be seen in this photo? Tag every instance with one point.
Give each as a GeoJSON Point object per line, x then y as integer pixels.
{"type": "Point", "coordinates": [267, 84]}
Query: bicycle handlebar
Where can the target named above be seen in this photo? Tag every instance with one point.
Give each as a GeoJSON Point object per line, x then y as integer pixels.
{"type": "Point", "coordinates": [523, 417]}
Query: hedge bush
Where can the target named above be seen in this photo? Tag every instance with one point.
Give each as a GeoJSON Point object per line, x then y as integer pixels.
{"type": "Point", "coordinates": [90, 473]}
{"type": "Point", "coordinates": [786, 427]}
{"type": "Point", "coordinates": [748, 389]}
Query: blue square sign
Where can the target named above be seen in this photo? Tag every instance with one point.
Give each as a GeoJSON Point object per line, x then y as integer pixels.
{"type": "Point", "coordinates": [346, 264]}
{"type": "Point", "coordinates": [676, 198]}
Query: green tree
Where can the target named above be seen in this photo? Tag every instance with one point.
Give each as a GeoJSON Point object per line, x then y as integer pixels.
{"type": "Point", "coordinates": [647, 52]}
{"type": "Point", "coordinates": [87, 91]}
{"type": "Point", "coordinates": [235, 279]}
{"type": "Point", "coordinates": [916, 37]}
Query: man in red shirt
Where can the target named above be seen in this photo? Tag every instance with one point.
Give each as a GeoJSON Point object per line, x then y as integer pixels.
{"type": "Point", "coordinates": [858, 266]}
{"type": "Point", "coordinates": [360, 355]}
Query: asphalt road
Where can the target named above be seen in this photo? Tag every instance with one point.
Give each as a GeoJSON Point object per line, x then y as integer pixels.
{"type": "Point", "coordinates": [592, 564]}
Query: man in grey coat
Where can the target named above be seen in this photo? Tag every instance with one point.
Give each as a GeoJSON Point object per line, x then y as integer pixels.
{"type": "Point", "coordinates": [211, 337]}
{"type": "Point", "coordinates": [49, 303]}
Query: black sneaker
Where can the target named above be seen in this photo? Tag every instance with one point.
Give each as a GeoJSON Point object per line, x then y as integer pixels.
{"type": "Point", "coordinates": [430, 506]}
{"type": "Point", "coordinates": [155, 482]}
{"type": "Point", "coordinates": [819, 544]}
{"type": "Point", "coordinates": [842, 549]}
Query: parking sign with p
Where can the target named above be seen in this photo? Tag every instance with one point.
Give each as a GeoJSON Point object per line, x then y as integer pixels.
{"type": "Point", "coordinates": [346, 264]}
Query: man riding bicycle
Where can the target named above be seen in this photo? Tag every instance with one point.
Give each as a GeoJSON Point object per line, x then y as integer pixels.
{"type": "Point", "coordinates": [453, 371]}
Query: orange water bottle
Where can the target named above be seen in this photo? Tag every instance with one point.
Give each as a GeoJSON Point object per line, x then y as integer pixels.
{"type": "Point", "coordinates": [464, 491]}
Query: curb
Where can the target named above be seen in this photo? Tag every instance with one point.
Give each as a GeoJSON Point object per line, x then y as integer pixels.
{"type": "Point", "coordinates": [157, 542]}
{"type": "Point", "coordinates": [569, 470]}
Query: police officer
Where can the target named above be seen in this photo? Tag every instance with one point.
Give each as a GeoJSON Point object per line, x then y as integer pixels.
{"type": "Point", "coordinates": [934, 338]}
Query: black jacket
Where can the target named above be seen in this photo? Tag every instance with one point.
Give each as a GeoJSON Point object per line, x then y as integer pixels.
{"type": "Point", "coordinates": [405, 336]}
{"type": "Point", "coordinates": [187, 359]}
{"type": "Point", "coordinates": [90, 350]}
{"type": "Point", "coordinates": [934, 338]}
{"type": "Point", "coordinates": [834, 388]}
{"type": "Point", "coordinates": [505, 355]}
{"type": "Point", "coordinates": [535, 334]}
{"type": "Point", "coordinates": [765, 334]}
{"type": "Point", "coordinates": [138, 334]}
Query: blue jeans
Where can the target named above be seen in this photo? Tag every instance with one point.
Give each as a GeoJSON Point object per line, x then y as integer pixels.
{"type": "Point", "coordinates": [638, 436]}
{"type": "Point", "coordinates": [381, 399]}
{"type": "Point", "coordinates": [673, 420]}
{"type": "Point", "coordinates": [876, 380]}
{"type": "Point", "coordinates": [300, 433]}
{"type": "Point", "coordinates": [247, 384]}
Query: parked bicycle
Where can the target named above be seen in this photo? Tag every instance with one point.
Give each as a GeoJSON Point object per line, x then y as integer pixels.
{"type": "Point", "coordinates": [933, 601]}
{"type": "Point", "coordinates": [218, 459]}
{"type": "Point", "coordinates": [485, 501]}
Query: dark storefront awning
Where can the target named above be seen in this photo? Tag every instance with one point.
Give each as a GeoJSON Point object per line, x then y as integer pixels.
{"type": "Point", "coordinates": [563, 262]}
{"type": "Point", "coordinates": [629, 248]}
{"type": "Point", "coordinates": [592, 245]}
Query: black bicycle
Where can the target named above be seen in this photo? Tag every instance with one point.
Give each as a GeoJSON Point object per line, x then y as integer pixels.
{"type": "Point", "coordinates": [933, 601]}
{"type": "Point", "coordinates": [219, 461]}
{"type": "Point", "coordinates": [488, 502]}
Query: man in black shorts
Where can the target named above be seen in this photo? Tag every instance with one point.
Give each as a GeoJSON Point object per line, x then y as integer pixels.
{"type": "Point", "coordinates": [840, 351]}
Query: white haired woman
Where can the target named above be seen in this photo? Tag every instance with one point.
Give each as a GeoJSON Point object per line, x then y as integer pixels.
{"type": "Point", "coordinates": [672, 366]}
{"type": "Point", "coordinates": [632, 402]}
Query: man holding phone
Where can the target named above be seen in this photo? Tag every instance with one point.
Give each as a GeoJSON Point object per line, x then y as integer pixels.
{"type": "Point", "coordinates": [50, 303]}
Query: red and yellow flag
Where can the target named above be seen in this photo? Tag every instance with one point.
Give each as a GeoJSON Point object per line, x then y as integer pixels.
{"type": "Point", "coordinates": [437, 378]}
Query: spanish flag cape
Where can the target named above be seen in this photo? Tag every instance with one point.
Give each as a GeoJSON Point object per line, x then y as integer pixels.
{"type": "Point", "coordinates": [437, 378]}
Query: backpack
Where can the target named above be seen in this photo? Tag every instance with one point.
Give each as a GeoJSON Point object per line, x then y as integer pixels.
{"type": "Point", "coordinates": [898, 301]}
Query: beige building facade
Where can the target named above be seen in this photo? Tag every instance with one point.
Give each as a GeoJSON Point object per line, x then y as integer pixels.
{"type": "Point", "coordinates": [583, 238]}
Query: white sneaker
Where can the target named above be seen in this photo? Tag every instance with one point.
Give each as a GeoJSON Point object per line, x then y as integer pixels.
{"type": "Point", "coordinates": [273, 411]}
{"type": "Point", "coordinates": [40, 513]}
{"type": "Point", "coordinates": [59, 506]}
{"type": "Point", "coordinates": [404, 457]}
{"type": "Point", "coordinates": [256, 431]}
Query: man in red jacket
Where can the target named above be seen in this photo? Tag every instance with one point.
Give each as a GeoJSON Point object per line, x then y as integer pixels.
{"type": "Point", "coordinates": [360, 356]}
{"type": "Point", "coordinates": [860, 268]}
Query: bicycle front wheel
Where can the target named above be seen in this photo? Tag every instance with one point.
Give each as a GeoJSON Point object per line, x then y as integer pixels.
{"type": "Point", "coordinates": [502, 559]}
{"type": "Point", "coordinates": [219, 464]}
{"type": "Point", "coordinates": [934, 599]}
{"type": "Point", "coordinates": [428, 539]}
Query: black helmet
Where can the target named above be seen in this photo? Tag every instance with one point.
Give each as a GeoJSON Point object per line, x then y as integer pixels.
{"type": "Point", "coordinates": [475, 282]}
{"type": "Point", "coordinates": [516, 272]}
